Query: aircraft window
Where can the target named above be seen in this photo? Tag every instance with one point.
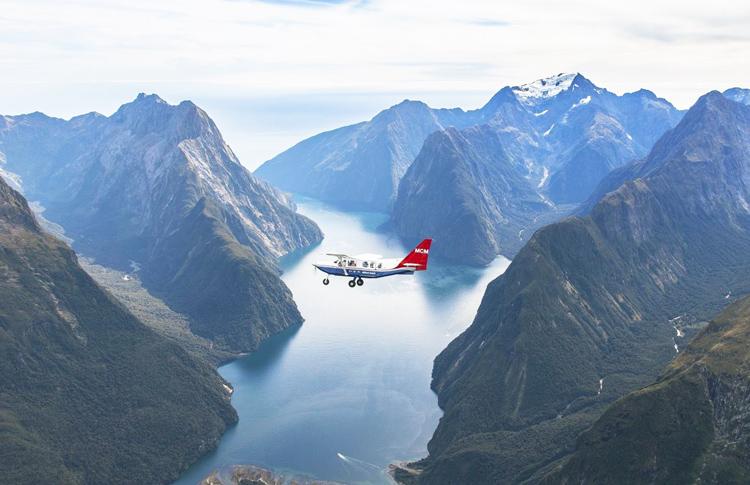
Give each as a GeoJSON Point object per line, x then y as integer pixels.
{"type": "Point", "coordinates": [380, 265]}
{"type": "Point", "coordinates": [364, 264]}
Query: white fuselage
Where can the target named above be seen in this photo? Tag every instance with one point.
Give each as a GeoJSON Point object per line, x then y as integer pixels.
{"type": "Point", "coordinates": [362, 266]}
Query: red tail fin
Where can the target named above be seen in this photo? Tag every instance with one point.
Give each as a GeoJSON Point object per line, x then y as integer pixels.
{"type": "Point", "coordinates": [417, 258]}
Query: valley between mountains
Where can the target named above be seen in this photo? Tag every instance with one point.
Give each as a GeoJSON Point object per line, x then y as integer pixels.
{"type": "Point", "coordinates": [137, 254]}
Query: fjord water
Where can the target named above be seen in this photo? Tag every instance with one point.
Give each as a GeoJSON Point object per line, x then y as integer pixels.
{"type": "Point", "coordinates": [348, 392]}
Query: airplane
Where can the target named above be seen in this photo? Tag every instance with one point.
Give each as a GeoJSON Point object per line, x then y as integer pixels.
{"type": "Point", "coordinates": [374, 265]}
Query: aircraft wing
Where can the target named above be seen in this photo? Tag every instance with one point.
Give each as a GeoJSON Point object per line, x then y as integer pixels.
{"type": "Point", "coordinates": [337, 255]}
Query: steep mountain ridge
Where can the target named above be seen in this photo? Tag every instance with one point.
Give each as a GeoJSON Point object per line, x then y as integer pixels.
{"type": "Point", "coordinates": [584, 131]}
{"type": "Point", "coordinates": [690, 426]}
{"type": "Point", "coordinates": [562, 140]}
{"type": "Point", "coordinates": [584, 313]}
{"type": "Point", "coordinates": [156, 187]}
{"type": "Point", "coordinates": [479, 188]}
{"type": "Point", "coordinates": [88, 394]}
{"type": "Point", "coordinates": [361, 166]}
{"type": "Point", "coordinates": [639, 168]}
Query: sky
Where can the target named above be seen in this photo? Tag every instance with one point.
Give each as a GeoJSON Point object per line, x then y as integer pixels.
{"type": "Point", "coordinates": [272, 72]}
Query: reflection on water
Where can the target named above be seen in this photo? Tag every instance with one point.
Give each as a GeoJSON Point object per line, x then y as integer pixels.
{"type": "Point", "coordinates": [271, 352]}
{"type": "Point", "coordinates": [347, 393]}
{"type": "Point", "coordinates": [292, 259]}
{"type": "Point", "coordinates": [447, 283]}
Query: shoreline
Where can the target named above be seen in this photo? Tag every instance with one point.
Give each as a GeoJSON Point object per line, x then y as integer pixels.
{"type": "Point", "coordinates": [255, 475]}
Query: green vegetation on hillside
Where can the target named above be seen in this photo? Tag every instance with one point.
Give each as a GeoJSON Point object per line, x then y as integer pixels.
{"type": "Point", "coordinates": [153, 312]}
{"type": "Point", "coordinates": [588, 310]}
{"type": "Point", "coordinates": [88, 394]}
{"type": "Point", "coordinates": [691, 426]}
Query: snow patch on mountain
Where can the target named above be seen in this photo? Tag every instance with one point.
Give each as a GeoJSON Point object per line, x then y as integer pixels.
{"type": "Point", "coordinates": [543, 88]}
{"type": "Point", "coordinates": [582, 102]}
{"type": "Point", "coordinates": [545, 176]}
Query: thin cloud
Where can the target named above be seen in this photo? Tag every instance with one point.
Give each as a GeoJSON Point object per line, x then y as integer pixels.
{"type": "Point", "coordinates": [488, 22]}
{"type": "Point", "coordinates": [446, 53]}
{"type": "Point", "coordinates": [309, 3]}
{"type": "Point", "coordinates": [669, 35]}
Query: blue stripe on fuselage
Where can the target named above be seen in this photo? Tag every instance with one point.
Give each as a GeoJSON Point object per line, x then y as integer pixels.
{"type": "Point", "coordinates": [361, 273]}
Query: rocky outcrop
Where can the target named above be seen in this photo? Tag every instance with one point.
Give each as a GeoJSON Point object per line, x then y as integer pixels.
{"type": "Point", "coordinates": [253, 475]}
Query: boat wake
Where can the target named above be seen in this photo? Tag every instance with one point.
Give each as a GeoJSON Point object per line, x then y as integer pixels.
{"type": "Point", "coordinates": [355, 462]}
{"type": "Point", "coordinates": [361, 469]}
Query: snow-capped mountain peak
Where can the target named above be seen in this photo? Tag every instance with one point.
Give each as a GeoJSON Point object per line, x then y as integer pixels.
{"type": "Point", "coordinates": [544, 88]}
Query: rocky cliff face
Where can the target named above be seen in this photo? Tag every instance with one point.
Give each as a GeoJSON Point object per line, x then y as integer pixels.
{"type": "Point", "coordinates": [156, 187]}
{"type": "Point", "coordinates": [474, 198]}
{"type": "Point", "coordinates": [586, 311]}
{"type": "Point", "coordinates": [88, 394]}
{"type": "Point", "coordinates": [691, 426]}
{"type": "Point", "coordinates": [560, 136]}
{"type": "Point", "coordinates": [597, 131]}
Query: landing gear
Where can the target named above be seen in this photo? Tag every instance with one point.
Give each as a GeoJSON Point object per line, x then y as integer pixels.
{"type": "Point", "coordinates": [325, 281]}
{"type": "Point", "coordinates": [360, 282]}
{"type": "Point", "coordinates": [352, 283]}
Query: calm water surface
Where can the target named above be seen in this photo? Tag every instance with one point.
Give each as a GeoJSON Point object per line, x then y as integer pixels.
{"type": "Point", "coordinates": [348, 392]}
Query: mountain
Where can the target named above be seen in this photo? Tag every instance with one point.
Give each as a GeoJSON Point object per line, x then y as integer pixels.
{"type": "Point", "coordinates": [359, 166]}
{"type": "Point", "coordinates": [88, 394]}
{"type": "Point", "coordinates": [597, 138]}
{"type": "Point", "coordinates": [593, 307]}
{"type": "Point", "coordinates": [740, 95]}
{"type": "Point", "coordinates": [691, 426]}
{"type": "Point", "coordinates": [154, 187]}
{"type": "Point", "coordinates": [474, 196]}
{"type": "Point", "coordinates": [633, 170]}
{"type": "Point", "coordinates": [559, 124]}
{"type": "Point", "coordinates": [558, 136]}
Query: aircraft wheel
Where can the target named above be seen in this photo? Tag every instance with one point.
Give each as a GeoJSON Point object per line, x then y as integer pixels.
{"type": "Point", "coordinates": [325, 281]}
{"type": "Point", "coordinates": [360, 282]}
{"type": "Point", "coordinates": [352, 284]}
